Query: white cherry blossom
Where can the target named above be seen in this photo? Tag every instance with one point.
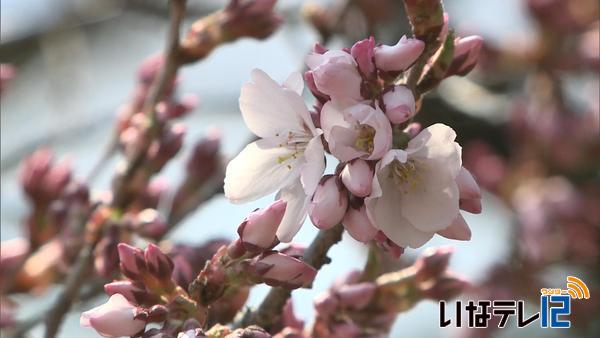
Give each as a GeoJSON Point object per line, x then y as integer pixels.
{"type": "Point", "coordinates": [289, 155]}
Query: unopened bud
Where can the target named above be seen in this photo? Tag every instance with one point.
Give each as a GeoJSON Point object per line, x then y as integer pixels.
{"type": "Point", "coordinates": [329, 203]}
{"type": "Point", "coordinates": [364, 53]}
{"type": "Point", "coordinates": [257, 232]}
{"type": "Point", "coordinates": [458, 230]}
{"type": "Point", "coordinates": [358, 225]}
{"type": "Point", "coordinates": [466, 53]}
{"type": "Point", "coordinates": [159, 264]}
{"type": "Point", "coordinates": [399, 104]}
{"type": "Point", "coordinates": [132, 261]}
{"type": "Point", "coordinates": [446, 287]}
{"type": "Point", "coordinates": [131, 291]}
{"type": "Point", "coordinates": [400, 56]}
{"type": "Point", "coordinates": [357, 177]}
{"type": "Point", "coordinates": [356, 296]}
{"type": "Point", "coordinates": [277, 269]}
{"type": "Point", "coordinates": [433, 262]}
{"type": "Point", "coordinates": [149, 223]}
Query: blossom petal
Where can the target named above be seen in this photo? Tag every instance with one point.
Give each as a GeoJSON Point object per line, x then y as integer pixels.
{"type": "Point", "coordinates": [331, 116]}
{"type": "Point", "coordinates": [342, 143]}
{"type": "Point", "coordinates": [260, 169]}
{"type": "Point", "coordinates": [386, 215]}
{"type": "Point", "coordinates": [313, 168]}
{"type": "Point", "coordinates": [436, 143]}
{"type": "Point", "coordinates": [295, 82]}
{"type": "Point", "coordinates": [375, 118]}
{"type": "Point", "coordinates": [459, 230]}
{"type": "Point", "coordinates": [266, 108]}
{"type": "Point", "coordinates": [295, 212]}
{"type": "Point", "coordinates": [432, 204]}
{"type": "Point", "coordinates": [467, 186]}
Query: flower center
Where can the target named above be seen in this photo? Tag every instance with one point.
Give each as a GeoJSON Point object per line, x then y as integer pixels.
{"type": "Point", "coordinates": [365, 140]}
{"type": "Point", "coordinates": [406, 176]}
{"type": "Point", "coordinates": [296, 142]}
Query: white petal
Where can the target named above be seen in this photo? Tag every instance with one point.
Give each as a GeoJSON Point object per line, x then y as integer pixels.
{"type": "Point", "coordinates": [266, 107]}
{"type": "Point", "coordinates": [260, 169]}
{"type": "Point", "coordinates": [313, 168]}
{"type": "Point", "coordinates": [342, 144]}
{"type": "Point", "coordinates": [295, 82]}
{"type": "Point", "coordinates": [375, 118]}
{"type": "Point", "coordinates": [295, 211]}
{"type": "Point", "coordinates": [314, 60]}
{"type": "Point", "coordinates": [331, 116]}
{"type": "Point", "coordinates": [432, 204]}
{"type": "Point", "coordinates": [436, 142]}
{"type": "Point", "coordinates": [386, 215]}
{"type": "Point", "coordinates": [459, 230]}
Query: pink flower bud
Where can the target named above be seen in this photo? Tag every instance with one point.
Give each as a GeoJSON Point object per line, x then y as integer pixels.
{"type": "Point", "coordinates": [167, 146]}
{"type": "Point", "coordinates": [466, 53]}
{"type": "Point", "coordinates": [115, 318]}
{"type": "Point", "coordinates": [433, 262]}
{"type": "Point", "coordinates": [132, 260]}
{"type": "Point", "coordinates": [328, 204]}
{"type": "Point", "coordinates": [277, 269]}
{"type": "Point", "coordinates": [467, 187]}
{"type": "Point", "coordinates": [413, 129]}
{"type": "Point", "coordinates": [159, 264]}
{"type": "Point", "coordinates": [473, 205]}
{"type": "Point", "coordinates": [364, 53]}
{"type": "Point", "coordinates": [399, 104]}
{"type": "Point", "coordinates": [149, 223]}
{"type": "Point", "coordinates": [326, 304]}
{"type": "Point", "coordinates": [458, 230]}
{"type": "Point", "coordinates": [358, 224]}
{"type": "Point", "coordinates": [132, 292]}
{"type": "Point", "coordinates": [356, 296]}
{"type": "Point", "coordinates": [446, 287]}
{"type": "Point", "coordinates": [388, 245]}
{"type": "Point", "coordinates": [357, 177]}
{"type": "Point", "coordinates": [400, 56]}
{"type": "Point", "coordinates": [204, 155]}
{"type": "Point", "coordinates": [469, 192]}
{"type": "Point", "coordinates": [257, 232]}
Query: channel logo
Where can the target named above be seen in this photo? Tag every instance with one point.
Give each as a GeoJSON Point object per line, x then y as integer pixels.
{"type": "Point", "coordinates": [576, 288]}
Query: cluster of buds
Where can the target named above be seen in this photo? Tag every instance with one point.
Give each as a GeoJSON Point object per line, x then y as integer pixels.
{"type": "Point", "coordinates": [355, 308]}
{"type": "Point", "coordinates": [250, 259]}
{"type": "Point", "coordinates": [240, 18]}
{"type": "Point", "coordinates": [147, 295]}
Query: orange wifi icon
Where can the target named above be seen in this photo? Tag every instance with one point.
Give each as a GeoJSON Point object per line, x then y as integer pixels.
{"type": "Point", "coordinates": [577, 288]}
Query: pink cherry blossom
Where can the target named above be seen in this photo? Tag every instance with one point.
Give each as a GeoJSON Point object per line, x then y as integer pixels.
{"type": "Point", "coordinates": [328, 204]}
{"type": "Point", "coordinates": [357, 176]}
{"type": "Point", "coordinates": [357, 131]}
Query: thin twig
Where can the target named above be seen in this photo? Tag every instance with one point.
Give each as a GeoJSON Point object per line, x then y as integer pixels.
{"type": "Point", "coordinates": [84, 261]}
{"type": "Point", "coordinates": [269, 311]}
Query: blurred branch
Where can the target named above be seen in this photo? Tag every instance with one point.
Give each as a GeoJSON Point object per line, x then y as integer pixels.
{"type": "Point", "coordinates": [84, 261]}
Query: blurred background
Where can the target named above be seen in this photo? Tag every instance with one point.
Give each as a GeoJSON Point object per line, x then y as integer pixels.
{"type": "Point", "coordinates": [527, 118]}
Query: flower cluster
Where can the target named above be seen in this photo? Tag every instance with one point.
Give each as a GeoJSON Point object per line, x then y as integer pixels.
{"type": "Point", "coordinates": [395, 184]}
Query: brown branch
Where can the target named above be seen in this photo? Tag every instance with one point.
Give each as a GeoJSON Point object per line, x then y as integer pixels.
{"type": "Point", "coordinates": [84, 261]}
{"type": "Point", "coordinates": [269, 311]}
